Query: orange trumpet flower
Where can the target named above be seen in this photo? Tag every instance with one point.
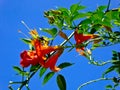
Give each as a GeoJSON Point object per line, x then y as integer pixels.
{"type": "Point", "coordinates": [80, 38]}
{"type": "Point", "coordinates": [42, 52]}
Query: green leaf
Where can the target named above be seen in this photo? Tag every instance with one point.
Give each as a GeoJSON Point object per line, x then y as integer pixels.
{"type": "Point", "coordinates": [110, 69]}
{"type": "Point", "coordinates": [47, 77]}
{"type": "Point", "coordinates": [117, 22]}
{"type": "Point", "coordinates": [96, 45]}
{"type": "Point", "coordinates": [61, 82]}
{"type": "Point", "coordinates": [114, 53]}
{"type": "Point", "coordinates": [52, 31]}
{"type": "Point", "coordinates": [115, 80]}
{"type": "Point", "coordinates": [76, 7]}
{"type": "Point", "coordinates": [27, 41]}
{"type": "Point", "coordinates": [17, 69]}
{"type": "Point", "coordinates": [64, 65]}
{"type": "Point", "coordinates": [33, 68]}
{"type": "Point", "coordinates": [42, 71]}
{"type": "Point", "coordinates": [101, 8]}
{"type": "Point", "coordinates": [86, 21]}
{"type": "Point", "coordinates": [20, 72]}
{"type": "Point", "coordinates": [118, 69]}
{"type": "Point", "coordinates": [65, 12]}
{"type": "Point", "coordinates": [79, 15]}
{"type": "Point", "coordinates": [108, 86]}
{"type": "Point", "coordinates": [23, 73]}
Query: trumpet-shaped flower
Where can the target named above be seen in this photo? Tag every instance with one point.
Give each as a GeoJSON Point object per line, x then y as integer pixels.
{"type": "Point", "coordinates": [80, 38]}
{"type": "Point", "coordinates": [41, 53]}
{"type": "Point", "coordinates": [28, 57]}
{"type": "Point", "coordinates": [52, 61]}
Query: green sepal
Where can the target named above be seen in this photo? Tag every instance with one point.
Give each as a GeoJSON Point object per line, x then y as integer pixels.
{"type": "Point", "coordinates": [26, 40]}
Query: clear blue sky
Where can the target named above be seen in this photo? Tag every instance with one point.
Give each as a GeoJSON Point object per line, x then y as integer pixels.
{"type": "Point", "coordinates": [31, 11]}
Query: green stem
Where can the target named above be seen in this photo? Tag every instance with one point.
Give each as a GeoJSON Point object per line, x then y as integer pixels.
{"type": "Point", "coordinates": [65, 41]}
{"type": "Point", "coordinates": [23, 74]}
{"type": "Point", "coordinates": [28, 79]}
{"type": "Point", "coordinates": [92, 81]}
{"type": "Point", "coordinates": [10, 87]}
{"type": "Point", "coordinates": [100, 63]}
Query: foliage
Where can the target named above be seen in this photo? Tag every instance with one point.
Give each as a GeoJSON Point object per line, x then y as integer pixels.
{"type": "Point", "coordinates": [94, 28]}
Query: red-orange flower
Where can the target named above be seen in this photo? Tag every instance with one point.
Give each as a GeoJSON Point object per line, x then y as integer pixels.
{"type": "Point", "coordinates": [42, 51]}
{"type": "Point", "coordinates": [52, 61]}
{"type": "Point", "coordinates": [29, 57]}
{"type": "Point", "coordinates": [80, 38]}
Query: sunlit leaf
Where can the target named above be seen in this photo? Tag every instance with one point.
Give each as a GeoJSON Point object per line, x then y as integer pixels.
{"type": "Point", "coordinates": [65, 11]}
{"type": "Point", "coordinates": [42, 71]}
{"type": "Point", "coordinates": [101, 8]}
{"type": "Point", "coordinates": [76, 7]}
{"type": "Point", "coordinates": [96, 45]}
{"type": "Point", "coordinates": [61, 82]}
{"type": "Point", "coordinates": [79, 15]}
{"type": "Point", "coordinates": [23, 73]}
{"type": "Point", "coordinates": [117, 22]}
{"type": "Point", "coordinates": [64, 65]}
{"type": "Point", "coordinates": [47, 77]}
{"type": "Point", "coordinates": [52, 31]}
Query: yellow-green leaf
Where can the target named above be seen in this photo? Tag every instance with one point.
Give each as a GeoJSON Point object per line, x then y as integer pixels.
{"type": "Point", "coordinates": [52, 31]}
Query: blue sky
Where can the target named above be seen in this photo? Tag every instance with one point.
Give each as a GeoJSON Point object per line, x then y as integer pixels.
{"type": "Point", "coordinates": [31, 11]}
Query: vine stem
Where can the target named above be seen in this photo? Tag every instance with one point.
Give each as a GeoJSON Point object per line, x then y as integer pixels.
{"type": "Point", "coordinates": [28, 79]}
{"type": "Point", "coordinates": [108, 6]}
{"type": "Point", "coordinates": [92, 81]}
{"type": "Point", "coordinates": [65, 41]}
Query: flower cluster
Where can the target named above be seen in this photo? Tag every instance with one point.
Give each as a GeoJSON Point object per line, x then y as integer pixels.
{"type": "Point", "coordinates": [41, 54]}
{"type": "Point", "coordinates": [46, 55]}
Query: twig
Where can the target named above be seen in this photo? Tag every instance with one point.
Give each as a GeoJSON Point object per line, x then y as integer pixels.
{"type": "Point", "coordinates": [108, 6]}
{"type": "Point", "coordinates": [28, 79]}
{"type": "Point", "coordinates": [65, 41]}
{"type": "Point", "coordinates": [92, 81]}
